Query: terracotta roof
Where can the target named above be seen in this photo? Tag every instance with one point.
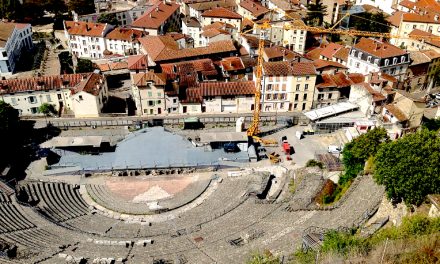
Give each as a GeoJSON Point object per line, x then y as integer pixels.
{"type": "Point", "coordinates": [426, 36]}
{"type": "Point", "coordinates": [6, 30]}
{"type": "Point", "coordinates": [407, 3]}
{"type": "Point", "coordinates": [192, 22]}
{"type": "Point", "coordinates": [342, 54]}
{"type": "Point", "coordinates": [253, 41]}
{"type": "Point", "coordinates": [21, 25]}
{"type": "Point", "coordinates": [325, 63]}
{"type": "Point", "coordinates": [187, 71]}
{"type": "Point", "coordinates": [430, 6]}
{"type": "Point", "coordinates": [164, 48]}
{"type": "Point", "coordinates": [207, 5]}
{"type": "Point", "coordinates": [209, 33]}
{"type": "Point", "coordinates": [43, 83]}
{"type": "Point", "coordinates": [127, 34]}
{"type": "Point", "coordinates": [356, 77]}
{"type": "Point", "coordinates": [378, 49]}
{"type": "Point", "coordinates": [232, 64]}
{"type": "Point", "coordinates": [281, 52]}
{"type": "Point", "coordinates": [331, 50]}
{"type": "Point", "coordinates": [141, 79]}
{"type": "Point", "coordinates": [85, 28]}
{"type": "Point", "coordinates": [418, 57]}
{"type": "Point", "coordinates": [111, 66]}
{"type": "Point", "coordinates": [425, 18]}
{"type": "Point", "coordinates": [377, 96]}
{"type": "Point", "coordinates": [137, 62]}
{"type": "Point", "coordinates": [254, 7]}
{"type": "Point", "coordinates": [218, 25]}
{"type": "Point", "coordinates": [284, 68]}
{"type": "Point", "coordinates": [432, 54]}
{"type": "Point", "coordinates": [91, 84]}
{"type": "Point", "coordinates": [314, 54]}
{"type": "Point", "coordinates": [208, 89]}
{"type": "Point", "coordinates": [221, 12]}
{"type": "Point", "coordinates": [338, 80]}
{"type": "Point", "coordinates": [396, 112]}
{"type": "Point", "coordinates": [395, 18]}
{"type": "Point", "coordinates": [156, 15]}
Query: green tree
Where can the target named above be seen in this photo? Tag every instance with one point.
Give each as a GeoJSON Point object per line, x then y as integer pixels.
{"type": "Point", "coordinates": [10, 9]}
{"type": "Point", "coordinates": [315, 13]}
{"type": "Point", "coordinates": [81, 7]}
{"type": "Point", "coordinates": [376, 22]}
{"type": "Point", "coordinates": [84, 65]}
{"type": "Point", "coordinates": [410, 167]}
{"type": "Point", "coordinates": [357, 152]}
{"type": "Point", "coordinates": [9, 122]}
{"type": "Point", "coordinates": [108, 18]}
{"type": "Point", "coordinates": [432, 124]}
{"type": "Point", "coordinates": [47, 109]}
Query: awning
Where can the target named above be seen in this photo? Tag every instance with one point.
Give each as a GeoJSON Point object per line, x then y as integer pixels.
{"type": "Point", "coordinates": [330, 110]}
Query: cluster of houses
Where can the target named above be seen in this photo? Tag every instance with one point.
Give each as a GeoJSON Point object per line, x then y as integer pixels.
{"type": "Point", "coordinates": [208, 66]}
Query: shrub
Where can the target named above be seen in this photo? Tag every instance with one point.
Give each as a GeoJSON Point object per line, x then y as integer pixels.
{"type": "Point", "coordinates": [325, 196]}
{"type": "Point", "coordinates": [314, 163]}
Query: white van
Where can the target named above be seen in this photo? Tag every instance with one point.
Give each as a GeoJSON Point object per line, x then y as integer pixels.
{"type": "Point", "coordinates": [334, 149]}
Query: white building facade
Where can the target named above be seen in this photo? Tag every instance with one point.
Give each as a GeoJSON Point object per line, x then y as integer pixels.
{"type": "Point", "coordinates": [15, 38]}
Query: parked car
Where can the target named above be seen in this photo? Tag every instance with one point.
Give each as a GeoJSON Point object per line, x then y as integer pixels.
{"type": "Point", "coordinates": [230, 147]}
{"type": "Point", "coordinates": [333, 149]}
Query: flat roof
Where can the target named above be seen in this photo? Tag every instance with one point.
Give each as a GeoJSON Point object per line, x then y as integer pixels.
{"type": "Point", "coordinates": [223, 137]}
{"type": "Point", "coordinates": [94, 141]}
{"type": "Point", "coordinates": [350, 117]}
{"type": "Point", "coordinates": [330, 110]}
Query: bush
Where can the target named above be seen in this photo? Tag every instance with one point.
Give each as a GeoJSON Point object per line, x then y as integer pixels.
{"type": "Point", "coordinates": [302, 257]}
{"type": "Point", "coordinates": [314, 163]}
{"type": "Point", "coordinates": [341, 243]}
{"type": "Point", "coordinates": [325, 196]}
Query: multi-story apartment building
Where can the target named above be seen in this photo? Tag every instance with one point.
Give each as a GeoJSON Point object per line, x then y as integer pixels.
{"type": "Point", "coordinates": [192, 27]}
{"type": "Point", "coordinates": [158, 18]}
{"type": "Point", "coordinates": [86, 40]}
{"type": "Point", "coordinates": [370, 55]}
{"type": "Point", "coordinates": [251, 10]}
{"type": "Point", "coordinates": [83, 94]}
{"type": "Point", "coordinates": [124, 17]}
{"type": "Point", "coordinates": [287, 86]}
{"type": "Point", "coordinates": [123, 41]}
{"type": "Point", "coordinates": [197, 8]}
{"type": "Point", "coordinates": [220, 14]}
{"type": "Point", "coordinates": [13, 39]}
{"type": "Point", "coordinates": [149, 93]}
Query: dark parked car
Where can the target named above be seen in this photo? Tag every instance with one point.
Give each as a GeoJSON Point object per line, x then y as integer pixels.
{"type": "Point", "coordinates": [230, 147]}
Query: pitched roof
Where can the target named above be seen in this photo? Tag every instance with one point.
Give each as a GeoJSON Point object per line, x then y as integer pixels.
{"type": "Point", "coordinates": [418, 57]}
{"type": "Point", "coordinates": [378, 48]}
{"type": "Point", "coordinates": [43, 83]}
{"type": "Point", "coordinates": [192, 22]}
{"type": "Point", "coordinates": [85, 28]}
{"type": "Point", "coordinates": [91, 84]}
{"type": "Point", "coordinates": [212, 32]}
{"type": "Point", "coordinates": [330, 50]}
{"type": "Point", "coordinates": [164, 48]}
{"type": "Point", "coordinates": [112, 65]}
{"type": "Point", "coordinates": [254, 7]}
{"type": "Point", "coordinates": [207, 5]}
{"type": "Point", "coordinates": [221, 12]}
{"type": "Point", "coordinates": [425, 18]}
{"type": "Point", "coordinates": [208, 89]}
{"type": "Point", "coordinates": [187, 71]}
{"type": "Point", "coordinates": [127, 34]}
{"type": "Point", "coordinates": [137, 62]}
{"type": "Point", "coordinates": [141, 79]}
{"type": "Point", "coordinates": [285, 68]}
{"type": "Point", "coordinates": [280, 52]}
{"type": "Point", "coordinates": [325, 63]}
{"type": "Point", "coordinates": [432, 54]}
{"type": "Point", "coordinates": [377, 96]}
{"type": "Point", "coordinates": [426, 36]}
{"type": "Point", "coordinates": [356, 77]}
{"type": "Point", "coordinates": [395, 18]}
{"type": "Point", "coordinates": [407, 3]}
{"type": "Point", "coordinates": [338, 80]}
{"type": "Point", "coordinates": [6, 30]}
{"type": "Point", "coordinates": [156, 15]}
{"type": "Point", "coordinates": [314, 54]}
{"type": "Point", "coordinates": [342, 54]}
{"type": "Point", "coordinates": [396, 112]}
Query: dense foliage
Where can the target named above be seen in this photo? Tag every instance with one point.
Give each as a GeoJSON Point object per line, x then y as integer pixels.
{"type": "Point", "coordinates": [8, 129]}
{"type": "Point", "coordinates": [410, 167]}
{"type": "Point", "coordinates": [315, 13]}
{"type": "Point", "coordinates": [432, 124]}
{"type": "Point", "coordinates": [47, 109]}
{"type": "Point", "coordinates": [84, 65]}
{"type": "Point", "coordinates": [376, 22]}
{"type": "Point", "coordinates": [109, 18]}
{"type": "Point", "coordinates": [81, 7]}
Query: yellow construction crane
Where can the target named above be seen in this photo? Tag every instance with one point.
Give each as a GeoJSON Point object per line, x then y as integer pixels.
{"type": "Point", "coordinates": [253, 129]}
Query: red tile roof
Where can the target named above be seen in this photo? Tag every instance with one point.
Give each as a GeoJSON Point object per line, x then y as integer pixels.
{"type": "Point", "coordinates": [284, 68]}
{"type": "Point", "coordinates": [141, 79]}
{"type": "Point", "coordinates": [111, 66]}
{"type": "Point", "coordinates": [164, 48]}
{"type": "Point", "coordinates": [187, 72]}
{"type": "Point", "coordinates": [342, 54]}
{"type": "Point", "coordinates": [281, 52]}
{"type": "Point", "coordinates": [221, 12]}
{"type": "Point", "coordinates": [155, 16]}
{"type": "Point", "coordinates": [137, 62]}
{"type": "Point", "coordinates": [377, 96]}
{"type": "Point", "coordinates": [331, 50]}
{"type": "Point", "coordinates": [425, 18]}
{"type": "Point", "coordinates": [378, 49]}
{"type": "Point", "coordinates": [209, 89]}
{"type": "Point", "coordinates": [319, 64]}
{"type": "Point", "coordinates": [396, 18]}
{"type": "Point", "coordinates": [338, 80]}
{"type": "Point", "coordinates": [407, 3]}
{"type": "Point", "coordinates": [432, 54]}
{"type": "Point", "coordinates": [85, 28]}
{"type": "Point", "coordinates": [92, 84]}
{"type": "Point", "coordinates": [426, 36]}
{"type": "Point", "coordinates": [254, 7]}
{"type": "Point", "coordinates": [314, 54]}
{"type": "Point", "coordinates": [232, 64]}
{"type": "Point", "coordinates": [127, 34]}
{"type": "Point", "coordinates": [43, 83]}
{"type": "Point", "coordinates": [207, 5]}
{"type": "Point", "coordinates": [209, 33]}
{"type": "Point", "coordinates": [356, 77]}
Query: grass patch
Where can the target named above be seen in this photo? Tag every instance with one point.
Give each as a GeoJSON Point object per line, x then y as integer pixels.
{"type": "Point", "coordinates": [292, 186]}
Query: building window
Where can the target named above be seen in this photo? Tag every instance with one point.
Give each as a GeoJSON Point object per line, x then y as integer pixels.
{"type": "Point", "coordinates": [298, 78]}
{"type": "Point", "coordinates": [4, 54]}
{"type": "Point", "coordinates": [402, 59]}
{"type": "Point", "coordinates": [80, 97]}
{"type": "Point", "coordinates": [34, 110]}
{"type": "Point", "coordinates": [369, 59]}
{"type": "Point", "coordinates": [269, 87]}
{"type": "Point", "coordinates": [150, 103]}
{"type": "Point", "coordinates": [330, 96]}
{"type": "Point", "coordinates": [32, 99]}
{"type": "Point", "coordinates": [306, 87]}
{"type": "Point", "coordinates": [376, 62]}
{"type": "Point", "coordinates": [159, 101]}
{"type": "Point", "coordinates": [304, 106]}
{"type": "Point", "coordinates": [395, 61]}
{"type": "Point", "coordinates": [48, 98]}
{"type": "Point", "coordinates": [387, 62]}
{"type": "Point", "coordinates": [297, 87]}
{"type": "Point", "coordinates": [150, 94]}
{"type": "Point", "coordinates": [359, 55]}
{"type": "Point", "coordinates": [268, 96]}
{"type": "Point", "coordinates": [59, 96]}
{"type": "Point", "coordinates": [305, 97]}
{"type": "Point", "coordinates": [295, 106]}
{"type": "Point", "coordinates": [13, 101]}
{"type": "Point", "coordinates": [296, 97]}
{"type": "Point", "coordinates": [307, 78]}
